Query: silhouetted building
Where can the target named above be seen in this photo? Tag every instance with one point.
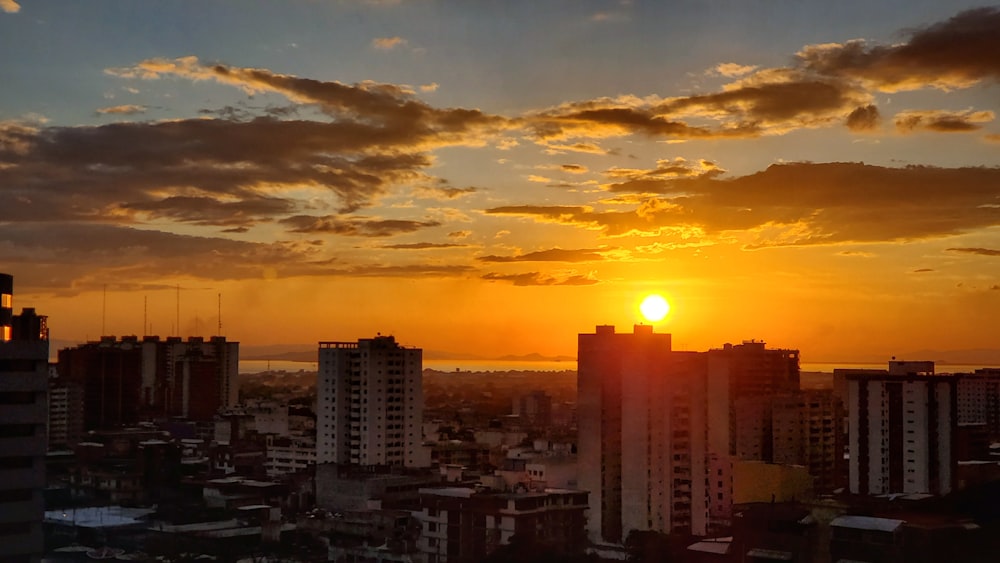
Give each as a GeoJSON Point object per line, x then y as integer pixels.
{"type": "Point", "coordinates": [24, 362]}
{"type": "Point", "coordinates": [902, 430]}
{"type": "Point", "coordinates": [979, 400]}
{"type": "Point", "coordinates": [126, 381]}
{"type": "Point", "coordinates": [370, 403]}
{"type": "Point", "coordinates": [642, 434]}
{"type": "Point", "coordinates": [806, 430]}
{"type": "Point", "coordinates": [535, 407]}
{"type": "Point", "coordinates": [65, 413]}
{"type": "Point", "coordinates": [463, 525]}
{"type": "Point", "coordinates": [866, 538]}
{"type": "Point", "coordinates": [126, 466]}
{"type": "Point", "coordinates": [752, 373]}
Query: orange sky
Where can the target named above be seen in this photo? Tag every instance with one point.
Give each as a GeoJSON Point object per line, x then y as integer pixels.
{"type": "Point", "coordinates": [495, 180]}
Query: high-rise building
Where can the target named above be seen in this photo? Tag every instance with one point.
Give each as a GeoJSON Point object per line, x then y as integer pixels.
{"type": "Point", "coordinates": [742, 380]}
{"type": "Point", "coordinates": [806, 431]}
{"type": "Point", "coordinates": [128, 380]}
{"type": "Point", "coordinates": [901, 432]}
{"type": "Point", "coordinates": [65, 414]}
{"type": "Point", "coordinates": [752, 373]}
{"type": "Point", "coordinates": [642, 428]}
{"type": "Point", "coordinates": [534, 407]}
{"type": "Point", "coordinates": [370, 403]}
{"type": "Point", "coordinates": [24, 358]}
{"type": "Point", "coordinates": [979, 400]}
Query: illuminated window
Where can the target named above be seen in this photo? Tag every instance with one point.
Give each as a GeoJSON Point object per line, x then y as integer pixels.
{"type": "Point", "coordinates": [6, 300]}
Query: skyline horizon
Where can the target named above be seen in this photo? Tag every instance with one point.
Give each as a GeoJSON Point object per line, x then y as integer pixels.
{"type": "Point", "coordinates": [298, 352]}
{"type": "Point", "coordinates": [495, 177]}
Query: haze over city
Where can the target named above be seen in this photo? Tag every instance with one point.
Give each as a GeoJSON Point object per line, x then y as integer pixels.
{"type": "Point", "coordinates": [499, 177]}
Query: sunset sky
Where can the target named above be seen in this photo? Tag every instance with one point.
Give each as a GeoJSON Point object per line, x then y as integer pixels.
{"type": "Point", "coordinates": [494, 177]}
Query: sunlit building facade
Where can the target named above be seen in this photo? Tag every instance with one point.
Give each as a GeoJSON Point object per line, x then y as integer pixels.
{"type": "Point", "coordinates": [901, 433]}
{"type": "Point", "coordinates": [370, 404]}
{"type": "Point", "coordinates": [642, 454]}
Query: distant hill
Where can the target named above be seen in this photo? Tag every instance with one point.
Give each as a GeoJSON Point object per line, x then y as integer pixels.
{"type": "Point", "coordinates": [974, 356]}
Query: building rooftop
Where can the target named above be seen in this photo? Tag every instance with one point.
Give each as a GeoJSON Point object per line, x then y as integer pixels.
{"type": "Point", "coordinates": [457, 492]}
{"type": "Point", "coordinates": [98, 516]}
{"type": "Point", "coordinates": [718, 546]}
{"type": "Point", "coordinates": [867, 523]}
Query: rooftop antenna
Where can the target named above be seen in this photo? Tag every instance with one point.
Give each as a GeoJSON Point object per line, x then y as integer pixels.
{"type": "Point", "coordinates": [104, 311]}
{"type": "Point", "coordinates": [178, 325]}
{"type": "Point", "coordinates": [145, 314]}
{"type": "Point", "coordinates": [220, 315]}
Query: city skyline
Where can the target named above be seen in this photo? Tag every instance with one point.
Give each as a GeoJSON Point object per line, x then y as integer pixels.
{"type": "Point", "coordinates": [501, 177]}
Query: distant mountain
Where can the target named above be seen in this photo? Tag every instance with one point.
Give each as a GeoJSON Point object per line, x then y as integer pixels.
{"type": "Point", "coordinates": [975, 356]}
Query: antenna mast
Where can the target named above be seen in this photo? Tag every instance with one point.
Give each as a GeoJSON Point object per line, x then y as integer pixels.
{"type": "Point", "coordinates": [104, 311]}
{"type": "Point", "coordinates": [220, 315]}
{"type": "Point", "coordinates": [178, 325]}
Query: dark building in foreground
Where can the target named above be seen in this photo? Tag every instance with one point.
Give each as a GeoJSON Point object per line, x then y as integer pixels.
{"type": "Point", "coordinates": [128, 380]}
{"type": "Point", "coordinates": [460, 525]}
{"type": "Point", "coordinates": [24, 357]}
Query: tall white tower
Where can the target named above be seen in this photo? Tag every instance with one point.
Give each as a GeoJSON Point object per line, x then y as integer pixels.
{"type": "Point", "coordinates": [370, 403]}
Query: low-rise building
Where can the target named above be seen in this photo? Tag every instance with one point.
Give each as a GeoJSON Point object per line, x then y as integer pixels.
{"type": "Point", "coordinates": [466, 524]}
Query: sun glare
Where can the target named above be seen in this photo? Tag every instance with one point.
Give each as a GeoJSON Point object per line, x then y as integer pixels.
{"type": "Point", "coordinates": [654, 308]}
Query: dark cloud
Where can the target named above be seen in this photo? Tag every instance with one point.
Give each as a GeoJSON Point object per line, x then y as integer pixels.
{"type": "Point", "coordinates": [658, 179]}
{"type": "Point", "coordinates": [864, 118]}
{"type": "Point", "coordinates": [232, 170]}
{"type": "Point", "coordinates": [537, 278]}
{"type": "Point", "coordinates": [393, 108]}
{"type": "Point", "coordinates": [211, 211]}
{"type": "Point", "coordinates": [804, 203]}
{"type": "Point", "coordinates": [574, 168]}
{"type": "Point", "coordinates": [776, 100]}
{"type": "Point", "coordinates": [404, 271]}
{"type": "Point", "coordinates": [443, 191]}
{"type": "Point", "coordinates": [979, 251]}
{"type": "Point", "coordinates": [552, 255]}
{"type": "Point", "coordinates": [581, 120]}
{"type": "Point", "coordinates": [112, 172]}
{"type": "Point", "coordinates": [922, 270]}
{"type": "Point", "coordinates": [66, 256]}
{"type": "Point", "coordinates": [423, 245]}
{"type": "Point", "coordinates": [956, 53]}
{"type": "Point", "coordinates": [942, 121]}
{"type": "Point", "coordinates": [354, 226]}
{"type": "Point", "coordinates": [826, 84]}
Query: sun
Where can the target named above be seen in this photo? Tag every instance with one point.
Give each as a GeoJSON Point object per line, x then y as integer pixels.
{"type": "Point", "coordinates": [654, 308]}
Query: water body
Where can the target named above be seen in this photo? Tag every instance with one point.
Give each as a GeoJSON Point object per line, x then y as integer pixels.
{"type": "Point", "coordinates": [257, 366]}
